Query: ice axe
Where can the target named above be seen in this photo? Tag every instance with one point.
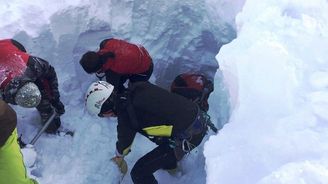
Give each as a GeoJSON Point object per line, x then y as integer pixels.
{"type": "Point", "coordinates": [29, 148]}
{"type": "Point", "coordinates": [45, 126]}
{"type": "Point", "coordinates": [37, 136]}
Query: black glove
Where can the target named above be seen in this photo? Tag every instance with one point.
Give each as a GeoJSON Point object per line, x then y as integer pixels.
{"type": "Point", "coordinates": [59, 107]}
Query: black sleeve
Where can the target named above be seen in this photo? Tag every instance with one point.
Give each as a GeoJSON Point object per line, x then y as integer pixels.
{"type": "Point", "coordinates": [125, 134]}
{"type": "Point", "coordinates": [116, 79]}
{"type": "Point", "coordinates": [41, 69]}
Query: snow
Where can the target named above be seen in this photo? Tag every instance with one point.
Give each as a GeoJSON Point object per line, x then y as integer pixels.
{"type": "Point", "coordinates": [271, 87]}
{"type": "Point", "coordinates": [180, 35]}
{"type": "Point", "coordinates": [29, 155]}
{"type": "Point", "coordinates": [276, 73]}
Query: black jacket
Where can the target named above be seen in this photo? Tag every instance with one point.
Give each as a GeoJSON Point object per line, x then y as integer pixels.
{"type": "Point", "coordinates": [153, 112]}
{"type": "Point", "coordinates": [42, 74]}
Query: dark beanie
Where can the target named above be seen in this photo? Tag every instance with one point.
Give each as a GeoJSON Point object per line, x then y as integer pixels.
{"type": "Point", "coordinates": [90, 62]}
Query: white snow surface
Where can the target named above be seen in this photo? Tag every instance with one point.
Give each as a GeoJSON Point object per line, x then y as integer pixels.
{"type": "Point", "coordinates": [275, 73]}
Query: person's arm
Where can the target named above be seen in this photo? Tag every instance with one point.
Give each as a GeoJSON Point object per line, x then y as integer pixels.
{"type": "Point", "coordinates": [125, 135]}
{"type": "Point", "coordinates": [116, 79]}
{"type": "Point", "coordinates": [39, 69]}
{"type": "Point", "coordinates": [43, 70]}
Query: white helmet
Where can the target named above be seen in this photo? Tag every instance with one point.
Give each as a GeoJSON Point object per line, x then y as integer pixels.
{"type": "Point", "coordinates": [28, 95]}
{"type": "Point", "coordinates": [96, 95]}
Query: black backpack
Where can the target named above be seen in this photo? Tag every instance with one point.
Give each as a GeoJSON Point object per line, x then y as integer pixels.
{"type": "Point", "coordinates": [195, 87]}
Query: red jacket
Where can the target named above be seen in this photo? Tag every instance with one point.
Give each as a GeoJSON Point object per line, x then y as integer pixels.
{"type": "Point", "coordinates": [129, 58]}
{"type": "Point", "coordinates": [18, 67]}
{"type": "Point", "coordinates": [18, 64]}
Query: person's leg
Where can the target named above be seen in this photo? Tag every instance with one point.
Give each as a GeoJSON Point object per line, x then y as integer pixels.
{"type": "Point", "coordinates": [12, 169]}
{"type": "Point", "coordinates": [46, 111]}
{"type": "Point", "coordinates": [162, 157]}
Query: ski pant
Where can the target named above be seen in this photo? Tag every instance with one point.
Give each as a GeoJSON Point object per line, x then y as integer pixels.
{"type": "Point", "coordinates": [46, 111]}
{"type": "Point", "coordinates": [162, 157]}
{"type": "Point", "coordinates": [166, 157]}
{"type": "Point", "coordinates": [12, 169]}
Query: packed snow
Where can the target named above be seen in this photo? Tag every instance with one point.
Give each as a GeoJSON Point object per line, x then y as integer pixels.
{"type": "Point", "coordinates": [271, 88]}
{"type": "Point", "coordinates": [276, 71]}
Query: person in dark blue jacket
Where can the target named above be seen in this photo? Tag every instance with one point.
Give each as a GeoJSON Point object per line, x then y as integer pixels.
{"type": "Point", "coordinates": [173, 122]}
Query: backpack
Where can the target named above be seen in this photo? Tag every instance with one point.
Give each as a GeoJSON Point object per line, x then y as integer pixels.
{"type": "Point", "coordinates": [195, 87]}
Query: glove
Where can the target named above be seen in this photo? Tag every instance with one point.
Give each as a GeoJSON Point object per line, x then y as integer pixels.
{"type": "Point", "coordinates": [59, 107]}
{"type": "Point", "coordinates": [121, 163]}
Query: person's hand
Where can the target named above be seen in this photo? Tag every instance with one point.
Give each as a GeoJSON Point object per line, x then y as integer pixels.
{"type": "Point", "coordinates": [59, 107]}
{"type": "Point", "coordinates": [121, 163]}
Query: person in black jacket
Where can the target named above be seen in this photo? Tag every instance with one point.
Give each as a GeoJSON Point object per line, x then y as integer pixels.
{"type": "Point", "coordinates": [29, 81]}
{"type": "Point", "coordinates": [173, 122]}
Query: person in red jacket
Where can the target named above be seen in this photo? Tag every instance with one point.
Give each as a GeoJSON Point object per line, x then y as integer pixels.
{"type": "Point", "coordinates": [29, 81]}
{"type": "Point", "coordinates": [119, 60]}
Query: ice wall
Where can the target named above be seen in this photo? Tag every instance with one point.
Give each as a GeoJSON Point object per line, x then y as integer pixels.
{"type": "Point", "coordinates": [180, 35]}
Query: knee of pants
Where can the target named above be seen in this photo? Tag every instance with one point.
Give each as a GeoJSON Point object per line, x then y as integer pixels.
{"type": "Point", "coordinates": [140, 173]}
{"type": "Point", "coordinates": [138, 178]}
{"type": "Point", "coordinates": [136, 173]}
